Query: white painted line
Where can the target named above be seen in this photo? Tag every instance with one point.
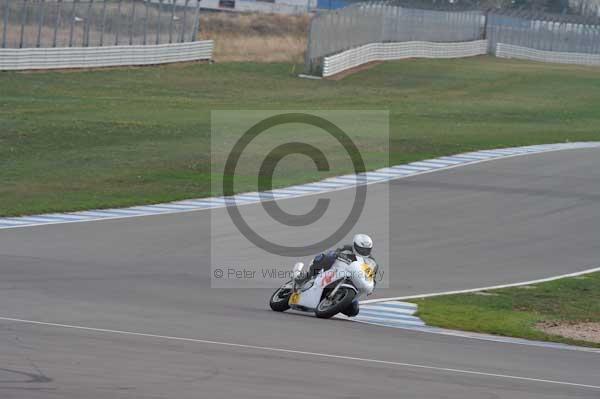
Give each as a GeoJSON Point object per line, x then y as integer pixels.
{"type": "Point", "coordinates": [279, 191]}
{"type": "Point", "coordinates": [494, 287]}
{"type": "Point", "coordinates": [175, 207]}
{"type": "Point", "coordinates": [322, 185]}
{"type": "Point", "coordinates": [302, 189]}
{"type": "Point", "coordinates": [490, 153]}
{"type": "Point", "coordinates": [339, 181]}
{"type": "Point", "coordinates": [218, 201]}
{"type": "Point", "coordinates": [120, 211]}
{"type": "Point", "coordinates": [198, 203]}
{"type": "Point", "coordinates": [373, 178]}
{"type": "Point", "coordinates": [32, 219]}
{"type": "Point", "coordinates": [95, 214]}
{"type": "Point", "coordinates": [455, 160]}
{"type": "Point", "coordinates": [477, 157]}
{"type": "Point", "coordinates": [13, 222]}
{"type": "Point", "coordinates": [67, 216]}
{"type": "Point", "coordinates": [378, 173]}
{"type": "Point", "coordinates": [306, 353]}
{"type": "Point", "coordinates": [405, 173]}
{"type": "Point", "coordinates": [390, 171]}
{"type": "Point", "coordinates": [396, 305]}
{"type": "Point", "coordinates": [389, 322]}
{"type": "Point", "coordinates": [152, 208]}
{"type": "Point", "coordinates": [352, 178]}
{"type": "Point", "coordinates": [466, 160]}
{"type": "Point", "coordinates": [327, 183]}
{"type": "Point", "coordinates": [415, 168]}
{"type": "Point", "coordinates": [254, 198]}
{"type": "Point", "coordinates": [391, 310]}
{"type": "Point", "coordinates": [442, 162]}
{"type": "Point", "coordinates": [42, 218]}
{"type": "Point", "coordinates": [430, 164]}
{"type": "Point", "coordinates": [390, 316]}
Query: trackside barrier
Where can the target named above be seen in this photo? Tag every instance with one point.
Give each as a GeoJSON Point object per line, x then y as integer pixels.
{"type": "Point", "coordinates": [525, 53]}
{"type": "Point", "coordinates": [397, 51]}
{"type": "Point", "coordinates": [91, 57]}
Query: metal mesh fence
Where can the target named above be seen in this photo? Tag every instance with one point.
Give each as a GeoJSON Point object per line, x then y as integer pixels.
{"type": "Point", "coordinates": [332, 32]}
{"type": "Point", "coordinates": [86, 23]}
{"type": "Point", "coordinates": [336, 31]}
{"type": "Point", "coordinates": [570, 34]}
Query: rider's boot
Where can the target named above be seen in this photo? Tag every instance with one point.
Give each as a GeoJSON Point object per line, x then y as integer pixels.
{"type": "Point", "coordinates": [352, 310]}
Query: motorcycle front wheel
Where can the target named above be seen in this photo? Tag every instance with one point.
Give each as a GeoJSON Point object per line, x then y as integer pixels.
{"type": "Point", "coordinates": [280, 298]}
{"type": "Point", "coordinates": [329, 307]}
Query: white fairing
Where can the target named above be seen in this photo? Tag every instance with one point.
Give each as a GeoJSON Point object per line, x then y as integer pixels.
{"type": "Point", "coordinates": [361, 274]}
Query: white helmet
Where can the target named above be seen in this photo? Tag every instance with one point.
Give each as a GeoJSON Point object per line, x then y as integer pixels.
{"type": "Point", "coordinates": [363, 244]}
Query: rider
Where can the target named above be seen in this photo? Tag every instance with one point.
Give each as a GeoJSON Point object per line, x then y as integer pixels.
{"type": "Point", "coordinates": [362, 245]}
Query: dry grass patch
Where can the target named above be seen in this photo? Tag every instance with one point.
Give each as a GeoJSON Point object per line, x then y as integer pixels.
{"type": "Point", "coordinates": [256, 37]}
{"type": "Point", "coordinates": [259, 48]}
{"type": "Point", "coordinates": [587, 331]}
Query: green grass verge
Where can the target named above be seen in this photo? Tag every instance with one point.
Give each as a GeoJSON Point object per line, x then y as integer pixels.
{"type": "Point", "coordinates": [109, 138]}
{"type": "Point", "coordinates": [514, 312]}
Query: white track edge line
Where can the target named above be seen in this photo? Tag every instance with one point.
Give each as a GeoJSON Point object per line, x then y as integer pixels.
{"type": "Point", "coordinates": [305, 353]}
{"type": "Point", "coordinates": [482, 336]}
{"type": "Point", "coordinates": [557, 147]}
{"type": "Point", "coordinates": [493, 287]}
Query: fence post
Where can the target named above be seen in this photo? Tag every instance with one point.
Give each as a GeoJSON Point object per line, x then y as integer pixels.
{"type": "Point", "coordinates": [485, 35]}
{"type": "Point", "coordinates": [146, 22]}
{"type": "Point", "coordinates": [118, 22]}
{"type": "Point", "coordinates": [23, 21]}
{"type": "Point", "coordinates": [72, 23]}
{"type": "Point", "coordinates": [5, 24]}
{"type": "Point", "coordinates": [196, 29]}
{"type": "Point", "coordinates": [103, 23]}
{"type": "Point", "coordinates": [160, 2]}
{"type": "Point", "coordinates": [171, 21]}
{"type": "Point", "coordinates": [86, 26]}
{"type": "Point", "coordinates": [132, 23]}
{"type": "Point", "coordinates": [56, 22]}
{"type": "Point", "coordinates": [542, 23]}
{"type": "Point", "coordinates": [308, 66]}
{"type": "Point", "coordinates": [40, 23]}
{"type": "Point", "coordinates": [182, 36]}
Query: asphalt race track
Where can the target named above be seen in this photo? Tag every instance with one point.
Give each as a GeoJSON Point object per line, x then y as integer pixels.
{"type": "Point", "coordinates": [497, 222]}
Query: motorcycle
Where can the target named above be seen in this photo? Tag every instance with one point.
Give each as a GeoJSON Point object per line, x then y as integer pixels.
{"type": "Point", "coordinates": [329, 292]}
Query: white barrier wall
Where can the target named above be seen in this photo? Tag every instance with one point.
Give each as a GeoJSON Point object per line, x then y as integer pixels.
{"type": "Point", "coordinates": [398, 51]}
{"type": "Point", "coordinates": [524, 53]}
{"type": "Point", "coordinates": [89, 57]}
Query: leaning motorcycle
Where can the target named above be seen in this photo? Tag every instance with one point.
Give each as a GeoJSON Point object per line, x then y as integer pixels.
{"type": "Point", "coordinates": [329, 292]}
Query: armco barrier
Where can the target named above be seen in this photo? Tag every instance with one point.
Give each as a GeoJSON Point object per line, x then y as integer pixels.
{"type": "Point", "coordinates": [90, 57]}
{"type": "Point", "coordinates": [398, 51]}
{"type": "Point", "coordinates": [525, 53]}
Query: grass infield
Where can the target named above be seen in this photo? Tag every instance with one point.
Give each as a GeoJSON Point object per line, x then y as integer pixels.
{"type": "Point", "coordinates": [122, 137]}
{"type": "Point", "coordinates": [515, 312]}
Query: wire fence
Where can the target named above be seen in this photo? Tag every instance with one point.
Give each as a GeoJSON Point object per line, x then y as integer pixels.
{"type": "Point", "coordinates": [87, 23]}
{"type": "Point", "coordinates": [562, 33]}
{"type": "Point", "coordinates": [332, 32]}
{"type": "Point", "coordinates": [359, 24]}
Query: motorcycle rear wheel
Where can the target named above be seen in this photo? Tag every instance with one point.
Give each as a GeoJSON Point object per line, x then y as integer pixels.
{"type": "Point", "coordinates": [328, 308]}
{"type": "Point", "coordinates": [280, 298]}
